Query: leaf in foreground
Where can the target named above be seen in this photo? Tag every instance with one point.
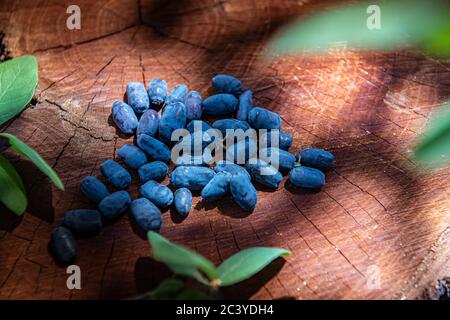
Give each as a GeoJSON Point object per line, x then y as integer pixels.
{"type": "Point", "coordinates": [433, 149]}
{"type": "Point", "coordinates": [24, 150]}
{"type": "Point", "coordinates": [12, 191]}
{"type": "Point", "coordinates": [246, 263]}
{"type": "Point", "coordinates": [181, 260]}
{"type": "Point", "coordinates": [403, 24]}
{"type": "Point", "coordinates": [18, 81]}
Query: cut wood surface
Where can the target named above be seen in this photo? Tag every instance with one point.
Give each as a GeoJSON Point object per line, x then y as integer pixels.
{"type": "Point", "coordinates": [376, 216]}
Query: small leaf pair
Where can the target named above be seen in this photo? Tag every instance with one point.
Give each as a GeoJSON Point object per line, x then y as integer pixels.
{"type": "Point", "coordinates": [186, 262]}
{"type": "Point", "coordinates": [18, 80]}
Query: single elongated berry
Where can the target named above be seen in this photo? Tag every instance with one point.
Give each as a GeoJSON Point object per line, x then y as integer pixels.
{"type": "Point", "coordinates": [220, 104]}
{"type": "Point", "coordinates": [243, 192]}
{"type": "Point", "coordinates": [190, 160]}
{"type": "Point", "coordinates": [217, 187]}
{"type": "Point", "coordinates": [157, 193]}
{"type": "Point", "coordinates": [284, 139]}
{"type": "Point", "coordinates": [230, 167]}
{"type": "Point", "coordinates": [156, 170]}
{"type": "Point", "coordinates": [63, 245]}
{"type": "Point", "coordinates": [148, 123]}
{"type": "Point", "coordinates": [83, 221]}
{"type": "Point", "coordinates": [316, 158]}
{"type": "Point", "coordinates": [260, 118]}
{"type": "Point", "coordinates": [137, 97]}
{"type": "Point", "coordinates": [183, 201]}
{"type": "Point", "coordinates": [281, 159]}
{"type": "Point", "coordinates": [94, 189]}
{"type": "Point", "coordinates": [227, 84]}
{"type": "Point", "coordinates": [147, 216]}
{"type": "Point", "coordinates": [116, 175]}
{"type": "Point", "coordinates": [132, 156]}
{"type": "Point", "coordinates": [114, 205]}
{"type": "Point", "coordinates": [230, 124]}
{"type": "Point", "coordinates": [244, 106]}
{"type": "Point", "coordinates": [157, 150]}
{"type": "Point", "coordinates": [157, 92]}
{"type": "Point", "coordinates": [193, 103]}
{"type": "Point", "coordinates": [178, 93]}
{"type": "Point", "coordinates": [264, 173]}
{"type": "Point", "coordinates": [242, 150]}
{"type": "Point", "coordinates": [124, 117]}
{"type": "Point", "coordinates": [172, 118]}
{"type": "Point", "coordinates": [197, 125]}
{"type": "Point", "coordinates": [306, 177]}
{"type": "Point", "coordinates": [191, 177]}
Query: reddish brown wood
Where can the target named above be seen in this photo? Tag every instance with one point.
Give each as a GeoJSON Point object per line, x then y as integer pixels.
{"type": "Point", "coordinates": [376, 211]}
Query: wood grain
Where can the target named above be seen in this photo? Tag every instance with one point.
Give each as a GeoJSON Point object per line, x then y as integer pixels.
{"type": "Point", "coordinates": [377, 213]}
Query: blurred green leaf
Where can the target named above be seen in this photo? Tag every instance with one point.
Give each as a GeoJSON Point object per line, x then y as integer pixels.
{"type": "Point", "coordinates": [246, 263]}
{"type": "Point", "coordinates": [181, 260]}
{"type": "Point", "coordinates": [438, 44]}
{"type": "Point", "coordinates": [12, 191]}
{"type": "Point", "coordinates": [167, 289]}
{"type": "Point", "coordinates": [403, 24]}
{"type": "Point", "coordinates": [24, 150]}
{"type": "Point", "coordinates": [18, 81]}
{"type": "Point", "coordinates": [433, 149]}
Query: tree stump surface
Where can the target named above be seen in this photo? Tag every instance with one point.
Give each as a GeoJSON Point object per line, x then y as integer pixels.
{"type": "Point", "coordinates": [377, 214]}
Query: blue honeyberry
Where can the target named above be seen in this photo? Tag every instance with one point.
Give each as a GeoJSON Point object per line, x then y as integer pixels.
{"type": "Point", "coordinates": [316, 158]}
{"type": "Point", "coordinates": [227, 84]}
{"type": "Point", "coordinates": [132, 156]}
{"type": "Point", "coordinates": [157, 193]}
{"type": "Point", "coordinates": [63, 245]}
{"type": "Point", "coordinates": [191, 177]}
{"type": "Point", "coordinates": [244, 106]}
{"type": "Point", "coordinates": [156, 170]}
{"type": "Point", "coordinates": [285, 159]}
{"type": "Point", "coordinates": [94, 189]}
{"type": "Point", "coordinates": [178, 93]}
{"type": "Point", "coordinates": [197, 125]}
{"type": "Point", "coordinates": [220, 104]}
{"type": "Point", "coordinates": [230, 167]}
{"type": "Point", "coordinates": [217, 187]}
{"type": "Point", "coordinates": [284, 139]}
{"type": "Point", "coordinates": [148, 123]}
{"type": "Point", "coordinates": [114, 205]}
{"type": "Point", "coordinates": [157, 92]}
{"type": "Point", "coordinates": [260, 118]}
{"type": "Point", "coordinates": [172, 118]}
{"type": "Point", "coordinates": [230, 124]}
{"type": "Point", "coordinates": [157, 150]}
{"type": "Point", "coordinates": [124, 117]}
{"type": "Point", "coordinates": [147, 216]}
{"type": "Point", "coordinates": [243, 192]}
{"type": "Point", "coordinates": [183, 201]}
{"type": "Point", "coordinates": [116, 175]}
{"type": "Point", "coordinates": [193, 103]}
{"type": "Point", "coordinates": [137, 97]}
{"type": "Point", "coordinates": [264, 173]}
{"type": "Point", "coordinates": [241, 151]}
{"type": "Point", "coordinates": [306, 177]}
{"type": "Point", "coordinates": [83, 221]}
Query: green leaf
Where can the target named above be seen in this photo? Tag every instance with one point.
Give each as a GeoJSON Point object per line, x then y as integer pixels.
{"type": "Point", "coordinates": [403, 24]}
{"type": "Point", "coordinates": [438, 44]}
{"type": "Point", "coordinates": [12, 191]}
{"type": "Point", "coordinates": [18, 81]}
{"type": "Point", "coordinates": [24, 150]}
{"type": "Point", "coordinates": [433, 149]}
{"type": "Point", "coordinates": [168, 288]}
{"type": "Point", "coordinates": [246, 263]}
{"type": "Point", "coordinates": [181, 260]}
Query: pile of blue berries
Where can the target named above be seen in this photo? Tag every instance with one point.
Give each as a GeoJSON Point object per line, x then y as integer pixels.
{"type": "Point", "coordinates": [184, 109]}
